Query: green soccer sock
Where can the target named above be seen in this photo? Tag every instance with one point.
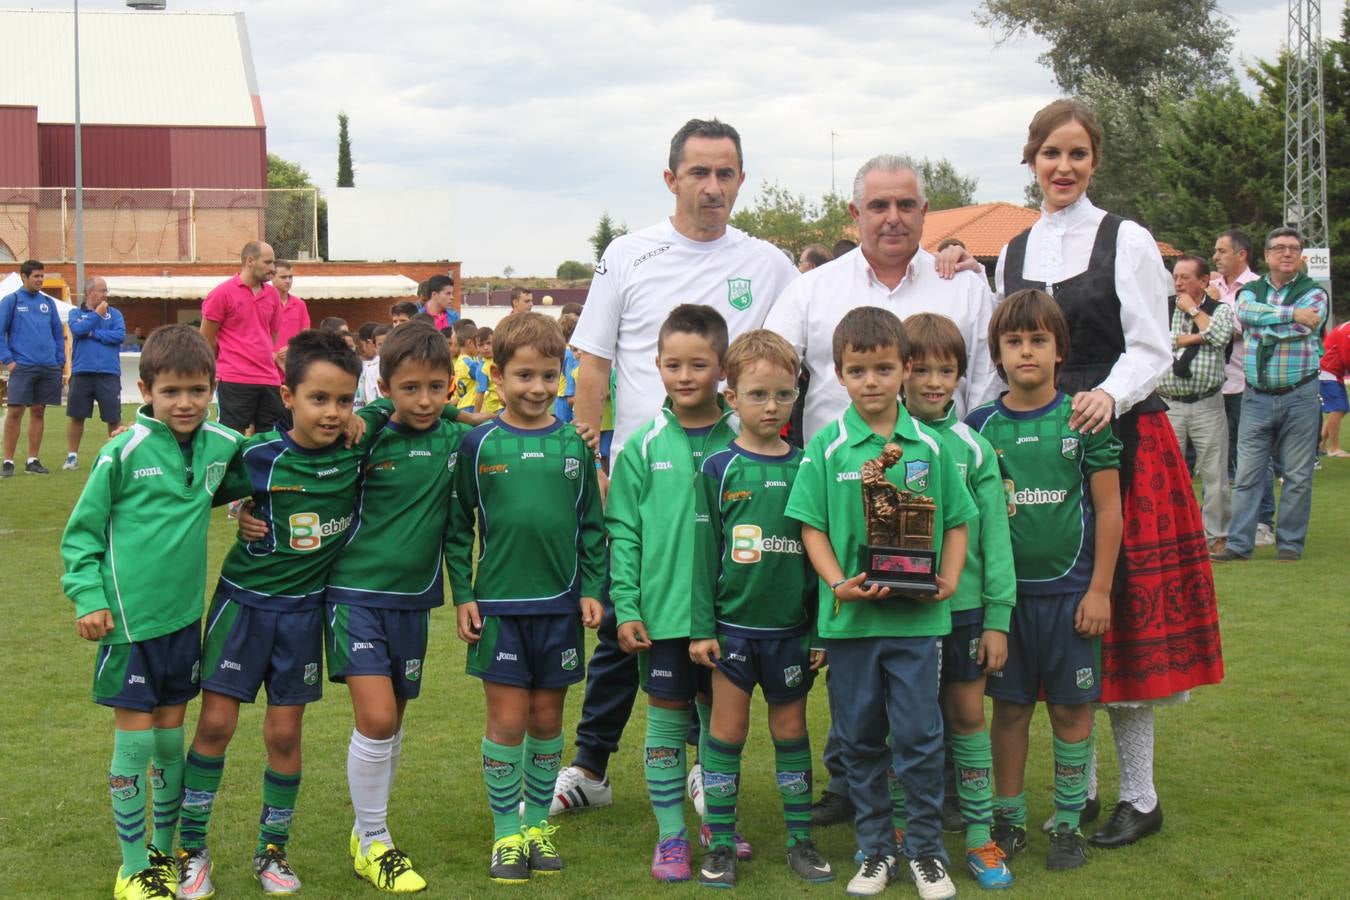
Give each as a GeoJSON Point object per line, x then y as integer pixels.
{"type": "Point", "coordinates": [278, 808]}
{"type": "Point", "coordinates": [1014, 809]}
{"type": "Point", "coordinates": [126, 778]}
{"type": "Point", "coordinates": [899, 805]}
{"type": "Point", "coordinates": [721, 785]}
{"type": "Point", "coordinates": [1071, 765]}
{"type": "Point", "coordinates": [503, 777]}
{"type": "Point", "coordinates": [974, 758]}
{"type": "Point", "coordinates": [166, 783]}
{"type": "Point", "coordinates": [201, 780]}
{"type": "Point", "coordinates": [665, 767]}
{"type": "Point", "coordinates": [704, 713]}
{"type": "Point", "coordinates": [792, 770]}
{"type": "Point", "coordinates": [543, 758]}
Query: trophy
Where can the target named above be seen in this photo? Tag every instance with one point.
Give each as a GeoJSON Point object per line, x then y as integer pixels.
{"type": "Point", "coordinates": [899, 551]}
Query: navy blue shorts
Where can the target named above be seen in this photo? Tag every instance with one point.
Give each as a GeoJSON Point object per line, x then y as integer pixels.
{"type": "Point", "coordinates": [781, 667]}
{"type": "Point", "coordinates": [529, 651]}
{"type": "Point", "coordinates": [35, 386]}
{"type": "Point", "coordinates": [1333, 396]}
{"type": "Point", "coordinates": [1044, 650]}
{"type": "Point", "coordinates": [666, 671]}
{"type": "Point", "coordinates": [365, 640]}
{"type": "Point", "coordinates": [145, 675]}
{"type": "Point", "coordinates": [960, 648]}
{"type": "Point", "coordinates": [246, 647]}
{"type": "Point", "coordinates": [86, 387]}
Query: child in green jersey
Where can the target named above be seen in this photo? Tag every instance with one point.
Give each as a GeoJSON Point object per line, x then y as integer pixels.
{"type": "Point", "coordinates": [1063, 496]}
{"type": "Point", "coordinates": [885, 650]}
{"type": "Point", "coordinates": [754, 608]}
{"type": "Point", "coordinates": [135, 562]}
{"type": "Point", "coordinates": [651, 520]}
{"type": "Point", "coordinates": [985, 595]}
{"type": "Point", "coordinates": [528, 483]}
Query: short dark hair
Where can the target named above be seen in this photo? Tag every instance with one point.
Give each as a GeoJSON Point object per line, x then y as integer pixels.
{"type": "Point", "coordinates": [695, 318]}
{"type": "Point", "coordinates": [252, 248]}
{"type": "Point", "coordinates": [316, 345]}
{"type": "Point", "coordinates": [484, 334]}
{"type": "Point", "coordinates": [842, 246]}
{"type": "Point", "coordinates": [367, 330]}
{"type": "Point", "coordinates": [30, 266]}
{"type": "Point", "coordinates": [403, 308]}
{"type": "Point", "coordinates": [465, 330]}
{"type": "Point", "coordinates": [448, 331]}
{"type": "Point", "coordinates": [466, 321]}
{"type": "Point", "coordinates": [1282, 231]}
{"type": "Point", "coordinates": [285, 264]}
{"type": "Point", "coordinates": [572, 309]}
{"type": "Point", "coordinates": [424, 317]}
{"type": "Point", "coordinates": [422, 292]}
{"type": "Point", "coordinates": [817, 254]}
{"type": "Point", "coordinates": [1241, 241]}
{"type": "Point", "coordinates": [176, 348]}
{"type": "Point", "coordinates": [527, 330]}
{"type": "Point", "coordinates": [437, 283]}
{"type": "Point", "coordinates": [704, 128]}
{"type": "Point", "coordinates": [1201, 264]}
{"type": "Point", "coordinates": [516, 292]}
{"type": "Point", "coordinates": [333, 324]}
{"type": "Point", "coordinates": [568, 323]}
{"type": "Point", "coordinates": [1029, 310]}
{"type": "Point", "coordinates": [413, 342]}
{"type": "Point", "coordinates": [936, 336]}
{"type": "Point", "coordinates": [869, 328]}
{"type": "Point", "coordinates": [380, 331]}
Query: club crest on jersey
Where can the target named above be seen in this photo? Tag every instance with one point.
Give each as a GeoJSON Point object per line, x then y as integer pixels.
{"type": "Point", "coordinates": [572, 468]}
{"type": "Point", "coordinates": [791, 783]}
{"type": "Point", "coordinates": [719, 784]}
{"type": "Point", "coordinates": [974, 647]}
{"type": "Point", "coordinates": [43, 307]}
{"type": "Point", "coordinates": [215, 474]}
{"type": "Point", "coordinates": [961, 468]}
{"type": "Point", "coordinates": [738, 293]}
{"type": "Point", "coordinates": [1068, 448]}
{"type": "Point", "coordinates": [311, 673]}
{"type": "Point", "coordinates": [124, 787]}
{"type": "Point", "coordinates": [569, 659]}
{"type": "Point", "coordinates": [1083, 678]}
{"type": "Point", "coordinates": [792, 676]}
{"type": "Point", "coordinates": [412, 669]}
{"type": "Point", "coordinates": [662, 757]}
{"type": "Point", "coordinates": [451, 460]}
{"type": "Point", "coordinates": [916, 474]}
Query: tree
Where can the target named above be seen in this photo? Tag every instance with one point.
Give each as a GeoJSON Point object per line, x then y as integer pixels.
{"type": "Point", "coordinates": [346, 176]}
{"type": "Point", "coordinates": [790, 222]}
{"type": "Point", "coordinates": [508, 271]}
{"type": "Point", "coordinates": [945, 187]}
{"type": "Point", "coordinates": [572, 270]}
{"type": "Point", "coordinates": [290, 217]}
{"type": "Point", "coordinates": [605, 233]}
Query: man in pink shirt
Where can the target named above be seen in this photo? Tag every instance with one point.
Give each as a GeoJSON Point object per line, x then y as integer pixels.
{"type": "Point", "coordinates": [241, 319]}
{"type": "Point", "coordinates": [1232, 269]}
{"type": "Point", "coordinates": [294, 312]}
{"type": "Point", "coordinates": [441, 300]}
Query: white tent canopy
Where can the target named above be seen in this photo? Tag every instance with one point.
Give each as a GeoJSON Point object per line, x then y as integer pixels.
{"type": "Point", "coordinates": [13, 281]}
{"type": "Point", "coordinates": [310, 287]}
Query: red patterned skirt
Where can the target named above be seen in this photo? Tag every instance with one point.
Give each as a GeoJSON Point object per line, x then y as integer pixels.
{"type": "Point", "coordinates": [1164, 635]}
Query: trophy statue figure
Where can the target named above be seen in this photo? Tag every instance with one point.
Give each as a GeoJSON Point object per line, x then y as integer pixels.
{"type": "Point", "coordinates": [899, 550]}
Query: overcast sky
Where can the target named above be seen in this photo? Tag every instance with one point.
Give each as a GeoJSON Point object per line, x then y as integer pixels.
{"type": "Point", "coordinates": [540, 115]}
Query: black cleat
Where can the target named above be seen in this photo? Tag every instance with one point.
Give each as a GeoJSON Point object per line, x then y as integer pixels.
{"type": "Point", "coordinates": [1011, 839]}
{"type": "Point", "coordinates": [832, 809]}
{"type": "Point", "coordinates": [1068, 849]}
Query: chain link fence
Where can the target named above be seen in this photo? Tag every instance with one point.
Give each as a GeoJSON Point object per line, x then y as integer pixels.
{"type": "Point", "coordinates": [139, 225]}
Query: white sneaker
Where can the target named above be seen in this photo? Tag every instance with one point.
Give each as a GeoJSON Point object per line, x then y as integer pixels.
{"type": "Point", "coordinates": [1265, 535]}
{"type": "Point", "coordinates": [931, 878]}
{"type": "Point", "coordinates": [72, 462]}
{"type": "Point", "coordinates": [694, 787]}
{"type": "Point", "coordinates": [575, 791]}
{"type": "Point", "coordinates": [876, 872]}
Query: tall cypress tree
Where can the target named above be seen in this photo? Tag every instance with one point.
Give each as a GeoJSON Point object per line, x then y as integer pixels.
{"type": "Point", "coordinates": [346, 176]}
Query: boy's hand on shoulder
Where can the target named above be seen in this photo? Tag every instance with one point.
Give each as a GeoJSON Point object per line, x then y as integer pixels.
{"type": "Point", "coordinates": [118, 430]}
{"type": "Point", "coordinates": [469, 622]}
{"type": "Point", "coordinates": [633, 636]}
{"type": "Point", "coordinates": [1094, 614]}
{"type": "Point", "coordinates": [992, 653]}
{"type": "Point", "coordinates": [852, 590]}
{"type": "Point", "coordinates": [355, 430]}
{"type": "Point", "coordinates": [706, 652]}
{"type": "Point", "coordinates": [818, 658]}
{"type": "Point", "coordinates": [251, 528]}
{"type": "Point", "coordinates": [588, 434]}
{"type": "Point", "coordinates": [94, 625]}
{"type": "Point", "coordinates": [591, 612]}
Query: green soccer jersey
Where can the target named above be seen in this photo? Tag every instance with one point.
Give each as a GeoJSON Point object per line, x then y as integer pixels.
{"type": "Point", "coordinates": [988, 581]}
{"type": "Point", "coordinates": [135, 543]}
{"type": "Point", "coordinates": [1046, 466]}
{"type": "Point", "coordinates": [541, 532]}
{"type": "Point", "coordinates": [758, 579]}
{"type": "Point", "coordinates": [827, 495]}
{"type": "Point", "coordinates": [394, 550]}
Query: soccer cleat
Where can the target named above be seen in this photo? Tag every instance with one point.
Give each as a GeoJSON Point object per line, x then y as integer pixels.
{"type": "Point", "coordinates": [693, 786]}
{"type": "Point", "coordinates": [575, 791]}
{"type": "Point", "coordinates": [7, 469]}
{"type": "Point", "coordinates": [543, 855]}
{"type": "Point", "coordinates": [165, 863]}
{"type": "Point", "coordinates": [1068, 849]}
{"type": "Point", "coordinates": [719, 868]}
{"type": "Point", "coordinates": [510, 862]}
{"type": "Point", "coordinates": [274, 871]}
{"type": "Point", "coordinates": [744, 852]}
{"type": "Point", "coordinates": [1011, 839]}
{"type": "Point", "coordinates": [1288, 556]}
{"type": "Point", "coordinates": [147, 884]}
{"type": "Point", "coordinates": [831, 809]}
{"type": "Point", "coordinates": [876, 872]}
{"type": "Point", "coordinates": [72, 462]}
{"type": "Point", "coordinates": [388, 869]}
{"type": "Point", "coordinates": [1228, 554]}
{"type": "Point", "coordinates": [670, 860]}
{"type": "Point", "coordinates": [931, 878]}
{"type": "Point", "coordinates": [33, 467]}
{"type": "Point", "coordinates": [988, 867]}
{"type": "Point", "coordinates": [1092, 808]}
{"type": "Point", "coordinates": [1265, 536]}
{"type": "Point", "coordinates": [899, 846]}
{"type": "Point", "coordinates": [194, 874]}
{"type": "Point", "coordinates": [806, 862]}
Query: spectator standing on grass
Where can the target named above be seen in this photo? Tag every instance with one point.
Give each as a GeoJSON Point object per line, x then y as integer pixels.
{"type": "Point", "coordinates": [1232, 269]}
{"type": "Point", "coordinates": [1331, 385]}
{"type": "Point", "coordinates": [241, 319]}
{"type": "Point", "coordinates": [97, 331]}
{"type": "Point", "coordinates": [440, 291]}
{"type": "Point", "coordinates": [33, 351]}
{"type": "Point", "coordinates": [294, 312]}
{"type": "Point", "coordinates": [522, 300]}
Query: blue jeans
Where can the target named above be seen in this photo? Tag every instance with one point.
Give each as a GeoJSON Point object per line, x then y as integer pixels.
{"type": "Point", "coordinates": [1283, 428]}
{"type": "Point", "coordinates": [611, 688]}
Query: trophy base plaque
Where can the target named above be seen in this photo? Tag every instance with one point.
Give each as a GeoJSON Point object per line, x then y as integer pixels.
{"type": "Point", "coordinates": [907, 570]}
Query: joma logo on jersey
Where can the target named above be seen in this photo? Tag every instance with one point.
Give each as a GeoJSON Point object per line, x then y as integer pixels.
{"type": "Point", "coordinates": [231, 665]}
{"type": "Point", "coordinates": [662, 466]}
{"type": "Point", "coordinates": [531, 454]}
{"type": "Point", "coordinates": [412, 453]}
{"type": "Point", "coordinates": [308, 531]}
{"type": "Point", "coordinates": [147, 472]}
{"type": "Point", "coordinates": [847, 476]}
{"type": "Point", "coordinates": [494, 469]}
{"type": "Point", "coordinates": [1038, 497]}
{"type": "Point", "coordinates": [769, 484]}
{"type": "Point", "coordinates": [733, 496]}
{"type": "Point", "coordinates": [324, 473]}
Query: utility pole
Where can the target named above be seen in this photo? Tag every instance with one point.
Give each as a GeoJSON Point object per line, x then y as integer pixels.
{"type": "Point", "coordinates": [1305, 156]}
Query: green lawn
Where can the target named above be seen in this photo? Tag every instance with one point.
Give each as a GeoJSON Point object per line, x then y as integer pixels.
{"type": "Point", "coordinates": [1246, 771]}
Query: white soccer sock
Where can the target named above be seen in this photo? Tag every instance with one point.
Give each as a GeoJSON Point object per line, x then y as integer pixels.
{"type": "Point", "coordinates": [368, 779]}
{"type": "Point", "coordinates": [1133, 730]}
{"type": "Point", "coordinates": [1092, 764]}
{"type": "Point", "coordinates": [395, 753]}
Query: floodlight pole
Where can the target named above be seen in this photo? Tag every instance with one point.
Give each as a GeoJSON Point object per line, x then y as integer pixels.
{"type": "Point", "coordinates": [78, 289]}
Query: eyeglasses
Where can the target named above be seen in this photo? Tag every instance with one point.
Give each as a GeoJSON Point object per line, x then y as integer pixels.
{"type": "Point", "coordinates": [759, 398]}
{"type": "Point", "coordinates": [1284, 248]}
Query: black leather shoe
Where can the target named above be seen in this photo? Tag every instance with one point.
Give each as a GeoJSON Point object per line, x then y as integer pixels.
{"type": "Point", "coordinates": [831, 809]}
{"type": "Point", "coordinates": [1127, 825]}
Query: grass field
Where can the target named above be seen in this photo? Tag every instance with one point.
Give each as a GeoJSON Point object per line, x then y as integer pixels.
{"type": "Point", "coordinates": [1247, 771]}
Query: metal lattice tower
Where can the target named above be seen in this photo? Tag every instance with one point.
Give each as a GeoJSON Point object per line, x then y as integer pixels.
{"type": "Point", "coordinates": [1305, 156]}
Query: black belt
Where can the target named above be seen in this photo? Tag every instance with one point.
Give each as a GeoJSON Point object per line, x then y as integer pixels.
{"type": "Point", "coordinates": [1284, 390]}
{"type": "Point", "coordinates": [1192, 398]}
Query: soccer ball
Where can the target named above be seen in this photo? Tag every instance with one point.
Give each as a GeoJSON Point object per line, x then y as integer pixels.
{"type": "Point", "coordinates": [548, 300]}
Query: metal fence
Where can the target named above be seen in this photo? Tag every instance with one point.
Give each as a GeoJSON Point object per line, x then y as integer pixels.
{"type": "Point", "coordinates": [138, 225]}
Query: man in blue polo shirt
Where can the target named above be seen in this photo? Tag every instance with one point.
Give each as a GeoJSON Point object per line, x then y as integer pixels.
{"type": "Point", "coordinates": [96, 332]}
{"type": "Point", "coordinates": [33, 351]}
